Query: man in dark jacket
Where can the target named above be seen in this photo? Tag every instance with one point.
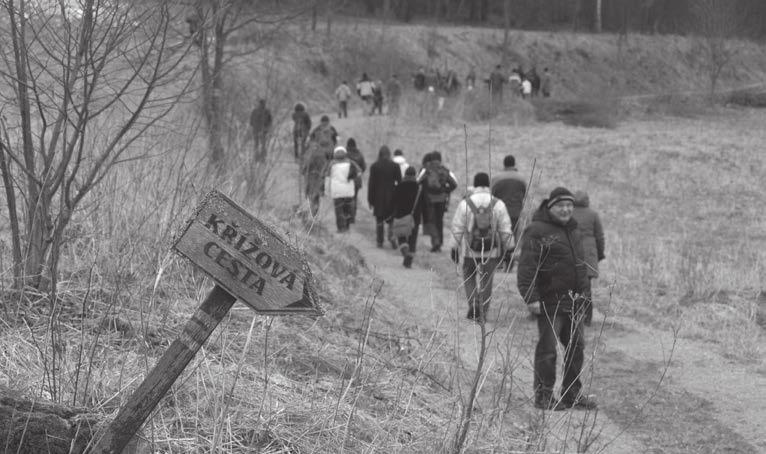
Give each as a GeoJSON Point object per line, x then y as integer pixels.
{"type": "Point", "coordinates": [301, 128]}
{"type": "Point", "coordinates": [356, 157]}
{"type": "Point", "coordinates": [437, 182]}
{"type": "Point", "coordinates": [551, 278]}
{"type": "Point", "coordinates": [510, 187]}
{"type": "Point", "coordinates": [260, 122]}
{"type": "Point", "coordinates": [384, 176]}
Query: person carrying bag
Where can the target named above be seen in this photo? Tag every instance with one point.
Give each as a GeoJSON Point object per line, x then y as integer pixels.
{"type": "Point", "coordinates": [406, 205]}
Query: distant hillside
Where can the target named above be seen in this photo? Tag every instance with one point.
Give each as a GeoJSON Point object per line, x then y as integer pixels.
{"type": "Point", "coordinates": [308, 65]}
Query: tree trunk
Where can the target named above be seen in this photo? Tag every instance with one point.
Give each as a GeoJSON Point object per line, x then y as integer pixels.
{"type": "Point", "coordinates": [506, 27]}
{"type": "Point", "coordinates": [13, 217]}
{"type": "Point", "coordinates": [328, 17]}
{"type": "Point", "coordinates": [597, 21]}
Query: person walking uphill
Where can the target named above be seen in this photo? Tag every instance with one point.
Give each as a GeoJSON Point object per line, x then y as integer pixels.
{"type": "Point", "coordinates": [356, 157]}
{"type": "Point", "coordinates": [407, 196]}
{"type": "Point", "coordinates": [438, 183]}
{"type": "Point", "coordinates": [260, 121]}
{"type": "Point", "coordinates": [552, 281]}
{"type": "Point", "coordinates": [384, 176]}
{"type": "Point", "coordinates": [510, 187]}
{"type": "Point", "coordinates": [343, 95]}
{"type": "Point", "coordinates": [481, 232]}
{"type": "Point", "coordinates": [301, 129]}
{"type": "Point", "coordinates": [339, 181]}
{"type": "Point", "coordinates": [592, 233]}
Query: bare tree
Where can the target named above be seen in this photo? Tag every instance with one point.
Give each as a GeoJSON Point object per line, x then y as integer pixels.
{"type": "Point", "coordinates": [716, 23]}
{"type": "Point", "coordinates": [213, 23]}
{"type": "Point", "coordinates": [597, 18]}
{"type": "Point", "coordinates": [85, 81]}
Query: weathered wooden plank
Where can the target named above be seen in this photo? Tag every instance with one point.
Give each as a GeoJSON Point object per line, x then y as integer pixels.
{"type": "Point", "coordinates": [132, 415]}
{"type": "Point", "coordinates": [248, 258]}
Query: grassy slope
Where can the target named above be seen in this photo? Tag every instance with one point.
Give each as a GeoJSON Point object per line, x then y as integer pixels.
{"type": "Point", "coordinates": [310, 395]}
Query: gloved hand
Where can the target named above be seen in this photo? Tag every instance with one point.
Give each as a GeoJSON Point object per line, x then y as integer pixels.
{"type": "Point", "coordinates": [454, 255]}
{"type": "Point", "coordinates": [534, 308]}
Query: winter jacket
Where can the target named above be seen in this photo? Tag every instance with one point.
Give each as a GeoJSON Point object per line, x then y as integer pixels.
{"type": "Point", "coordinates": [407, 199]}
{"type": "Point", "coordinates": [463, 221]}
{"type": "Point", "coordinates": [551, 265]}
{"type": "Point", "coordinates": [384, 176]}
{"type": "Point", "coordinates": [325, 135]}
{"type": "Point", "coordinates": [343, 92]}
{"type": "Point", "coordinates": [510, 187]}
{"type": "Point", "coordinates": [355, 155]}
{"type": "Point", "coordinates": [339, 180]}
{"type": "Point", "coordinates": [365, 88]}
{"type": "Point", "coordinates": [260, 119]}
{"type": "Point", "coordinates": [301, 123]}
{"type": "Point", "coordinates": [450, 182]}
{"type": "Point", "coordinates": [589, 225]}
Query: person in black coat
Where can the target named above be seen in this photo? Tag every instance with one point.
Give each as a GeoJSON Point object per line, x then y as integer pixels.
{"type": "Point", "coordinates": [407, 197]}
{"type": "Point", "coordinates": [356, 157]}
{"type": "Point", "coordinates": [384, 176]}
{"type": "Point", "coordinates": [552, 280]}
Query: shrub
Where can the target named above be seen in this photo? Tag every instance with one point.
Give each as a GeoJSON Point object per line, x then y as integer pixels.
{"type": "Point", "coordinates": [747, 98]}
{"type": "Point", "coordinates": [586, 113]}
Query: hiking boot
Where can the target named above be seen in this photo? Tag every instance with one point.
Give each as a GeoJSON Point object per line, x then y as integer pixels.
{"type": "Point", "coordinates": [579, 403]}
{"type": "Point", "coordinates": [547, 402]}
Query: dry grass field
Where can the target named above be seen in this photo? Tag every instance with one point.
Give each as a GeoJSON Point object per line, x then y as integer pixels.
{"type": "Point", "coordinates": [677, 358]}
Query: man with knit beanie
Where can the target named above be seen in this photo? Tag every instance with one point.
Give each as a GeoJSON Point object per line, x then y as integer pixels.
{"type": "Point", "coordinates": [481, 232]}
{"type": "Point", "coordinates": [552, 280]}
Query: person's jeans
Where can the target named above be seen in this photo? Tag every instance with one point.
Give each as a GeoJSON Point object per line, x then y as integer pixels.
{"type": "Point", "coordinates": [437, 211]}
{"type": "Point", "coordinates": [342, 109]}
{"type": "Point", "coordinates": [477, 280]}
{"type": "Point", "coordinates": [552, 328]}
{"type": "Point", "coordinates": [411, 240]}
{"type": "Point", "coordinates": [380, 229]}
{"type": "Point", "coordinates": [343, 212]}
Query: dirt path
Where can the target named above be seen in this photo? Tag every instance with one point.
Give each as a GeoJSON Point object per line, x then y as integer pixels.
{"type": "Point", "coordinates": [697, 402]}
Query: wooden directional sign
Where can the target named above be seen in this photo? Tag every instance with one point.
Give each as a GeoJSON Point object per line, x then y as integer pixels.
{"type": "Point", "coordinates": [248, 258]}
{"type": "Point", "coordinates": [249, 262]}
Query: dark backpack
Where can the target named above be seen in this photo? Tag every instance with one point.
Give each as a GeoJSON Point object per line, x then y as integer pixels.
{"type": "Point", "coordinates": [437, 184]}
{"type": "Point", "coordinates": [483, 236]}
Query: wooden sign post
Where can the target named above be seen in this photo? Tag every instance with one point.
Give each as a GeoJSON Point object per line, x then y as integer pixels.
{"type": "Point", "coordinates": [249, 262]}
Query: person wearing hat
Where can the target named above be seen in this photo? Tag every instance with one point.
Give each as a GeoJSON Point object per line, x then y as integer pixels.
{"type": "Point", "coordinates": [481, 232]}
{"type": "Point", "coordinates": [339, 183]}
{"type": "Point", "coordinates": [552, 280]}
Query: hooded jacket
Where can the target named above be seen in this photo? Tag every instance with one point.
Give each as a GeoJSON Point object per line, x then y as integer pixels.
{"type": "Point", "coordinates": [384, 176]}
{"type": "Point", "coordinates": [591, 231]}
{"type": "Point", "coordinates": [551, 265]}
{"type": "Point", "coordinates": [340, 178]}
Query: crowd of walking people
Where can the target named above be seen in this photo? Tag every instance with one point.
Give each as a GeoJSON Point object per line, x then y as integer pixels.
{"type": "Point", "coordinates": [556, 251]}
